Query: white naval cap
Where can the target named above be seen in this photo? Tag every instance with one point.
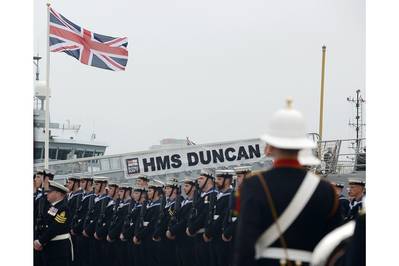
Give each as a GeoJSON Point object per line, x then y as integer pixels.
{"type": "Point", "coordinates": [125, 186]}
{"type": "Point", "coordinates": [172, 182]}
{"type": "Point", "coordinates": [287, 130]}
{"type": "Point", "coordinates": [155, 184]}
{"type": "Point", "coordinates": [208, 173]}
{"type": "Point", "coordinates": [306, 157]}
{"type": "Point", "coordinates": [242, 169]}
{"type": "Point", "coordinates": [54, 186]}
{"type": "Point", "coordinates": [188, 180]}
{"type": "Point", "coordinates": [85, 177]}
{"type": "Point", "coordinates": [356, 181]}
{"type": "Point", "coordinates": [226, 173]}
{"type": "Point", "coordinates": [100, 179]}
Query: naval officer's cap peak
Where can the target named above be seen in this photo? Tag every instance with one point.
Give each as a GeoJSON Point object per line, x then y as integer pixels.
{"type": "Point", "coordinates": [55, 186]}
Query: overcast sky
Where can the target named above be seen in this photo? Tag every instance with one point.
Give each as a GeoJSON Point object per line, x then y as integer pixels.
{"type": "Point", "coordinates": [210, 70]}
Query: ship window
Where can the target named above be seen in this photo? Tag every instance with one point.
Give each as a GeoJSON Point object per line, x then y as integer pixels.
{"type": "Point", "coordinates": [99, 153]}
{"type": "Point", "coordinates": [52, 153]}
{"type": "Point", "coordinates": [37, 153]}
{"type": "Point", "coordinates": [88, 153]}
{"type": "Point", "coordinates": [79, 153]}
{"type": "Point", "coordinates": [63, 154]}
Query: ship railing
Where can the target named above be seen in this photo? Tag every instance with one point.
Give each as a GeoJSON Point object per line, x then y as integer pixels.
{"type": "Point", "coordinates": [341, 156]}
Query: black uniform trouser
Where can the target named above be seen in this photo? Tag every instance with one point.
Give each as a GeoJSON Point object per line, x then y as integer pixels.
{"type": "Point", "coordinates": [168, 252]}
{"type": "Point", "coordinates": [57, 253]}
{"type": "Point", "coordinates": [110, 254]}
{"type": "Point", "coordinates": [97, 252]}
{"type": "Point", "coordinates": [201, 251]}
{"type": "Point", "coordinates": [139, 255]}
{"type": "Point", "coordinates": [75, 261]}
{"type": "Point", "coordinates": [220, 252]}
{"type": "Point", "coordinates": [37, 258]}
{"type": "Point", "coordinates": [152, 250]}
{"type": "Point", "coordinates": [83, 250]}
{"type": "Point", "coordinates": [131, 252]}
{"type": "Point", "coordinates": [120, 253]}
{"type": "Point", "coordinates": [185, 253]}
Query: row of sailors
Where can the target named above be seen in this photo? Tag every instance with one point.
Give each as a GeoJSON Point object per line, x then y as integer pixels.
{"type": "Point", "coordinates": [109, 226]}
{"type": "Point", "coordinates": [148, 224]}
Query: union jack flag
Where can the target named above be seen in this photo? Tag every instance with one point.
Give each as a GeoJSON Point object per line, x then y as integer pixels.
{"type": "Point", "coordinates": [89, 48]}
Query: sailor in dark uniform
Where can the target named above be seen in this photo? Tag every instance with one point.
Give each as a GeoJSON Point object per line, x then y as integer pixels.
{"type": "Point", "coordinates": [177, 230]}
{"type": "Point", "coordinates": [97, 207]}
{"type": "Point", "coordinates": [139, 196]}
{"type": "Point", "coordinates": [115, 228]}
{"type": "Point", "coordinates": [168, 246]}
{"type": "Point", "coordinates": [343, 201]}
{"type": "Point", "coordinates": [104, 221]}
{"type": "Point", "coordinates": [87, 199]}
{"type": "Point", "coordinates": [54, 241]}
{"type": "Point", "coordinates": [146, 226]}
{"type": "Point", "coordinates": [41, 204]}
{"type": "Point", "coordinates": [74, 198]}
{"type": "Point", "coordinates": [219, 248]}
{"type": "Point", "coordinates": [230, 222]}
{"type": "Point", "coordinates": [200, 220]}
{"type": "Point", "coordinates": [356, 193]}
{"type": "Point", "coordinates": [285, 211]}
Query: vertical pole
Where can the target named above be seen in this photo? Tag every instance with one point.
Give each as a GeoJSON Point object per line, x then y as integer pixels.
{"type": "Point", "coordinates": [323, 62]}
{"type": "Point", "coordinates": [47, 119]}
{"type": "Point", "coordinates": [357, 119]}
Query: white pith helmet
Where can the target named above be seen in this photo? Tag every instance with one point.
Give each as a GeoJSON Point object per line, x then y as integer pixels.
{"type": "Point", "coordinates": [306, 157]}
{"type": "Point", "coordinates": [287, 130]}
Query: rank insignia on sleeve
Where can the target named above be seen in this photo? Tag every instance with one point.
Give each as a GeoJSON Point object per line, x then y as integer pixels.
{"type": "Point", "coordinates": [60, 218]}
{"type": "Point", "coordinates": [52, 211]}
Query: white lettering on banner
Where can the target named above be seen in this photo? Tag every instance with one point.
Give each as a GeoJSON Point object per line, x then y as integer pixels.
{"type": "Point", "coordinates": [194, 157]}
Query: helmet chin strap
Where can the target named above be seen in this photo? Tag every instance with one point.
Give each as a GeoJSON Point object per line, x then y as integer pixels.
{"type": "Point", "coordinates": [113, 194]}
{"type": "Point", "coordinates": [171, 192]}
{"type": "Point", "coordinates": [189, 191]}
{"type": "Point", "coordinates": [206, 181]}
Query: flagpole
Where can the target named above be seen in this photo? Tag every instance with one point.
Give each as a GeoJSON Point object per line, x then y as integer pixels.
{"type": "Point", "coordinates": [323, 63]}
{"type": "Point", "coordinates": [47, 113]}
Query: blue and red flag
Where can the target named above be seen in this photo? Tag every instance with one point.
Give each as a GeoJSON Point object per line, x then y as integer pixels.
{"type": "Point", "coordinates": [89, 48]}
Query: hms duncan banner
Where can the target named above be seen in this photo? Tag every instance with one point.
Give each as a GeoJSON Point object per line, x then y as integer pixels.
{"type": "Point", "coordinates": [193, 157]}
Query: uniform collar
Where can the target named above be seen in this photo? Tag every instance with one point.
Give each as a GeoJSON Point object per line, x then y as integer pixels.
{"type": "Point", "coordinates": [290, 163]}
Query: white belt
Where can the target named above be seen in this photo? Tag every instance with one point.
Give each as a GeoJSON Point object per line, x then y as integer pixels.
{"type": "Point", "coordinates": [145, 223]}
{"type": "Point", "coordinates": [215, 217]}
{"type": "Point", "coordinates": [62, 237]}
{"type": "Point", "coordinates": [233, 219]}
{"type": "Point", "coordinates": [293, 254]}
{"type": "Point", "coordinates": [202, 230]}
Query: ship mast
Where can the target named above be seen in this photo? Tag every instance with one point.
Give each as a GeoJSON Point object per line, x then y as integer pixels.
{"type": "Point", "coordinates": [37, 58]}
{"type": "Point", "coordinates": [358, 125]}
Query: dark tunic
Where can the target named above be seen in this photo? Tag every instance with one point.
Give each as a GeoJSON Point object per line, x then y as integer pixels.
{"type": "Point", "coordinates": [56, 223]}
{"type": "Point", "coordinates": [319, 216]}
{"type": "Point", "coordinates": [184, 243]}
{"type": "Point", "coordinates": [198, 224]}
{"type": "Point", "coordinates": [150, 249]}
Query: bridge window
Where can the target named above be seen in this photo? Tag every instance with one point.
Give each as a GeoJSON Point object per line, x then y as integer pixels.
{"type": "Point", "coordinates": [52, 153]}
{"type": "Point", "coordinates": [37, 153]}
{"type": "Point", "coordinates": [79, 153]}
{"type": "Point", "coordinates": [63, 154]}
{"type": "Point", "coordinates": [88, 153]}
